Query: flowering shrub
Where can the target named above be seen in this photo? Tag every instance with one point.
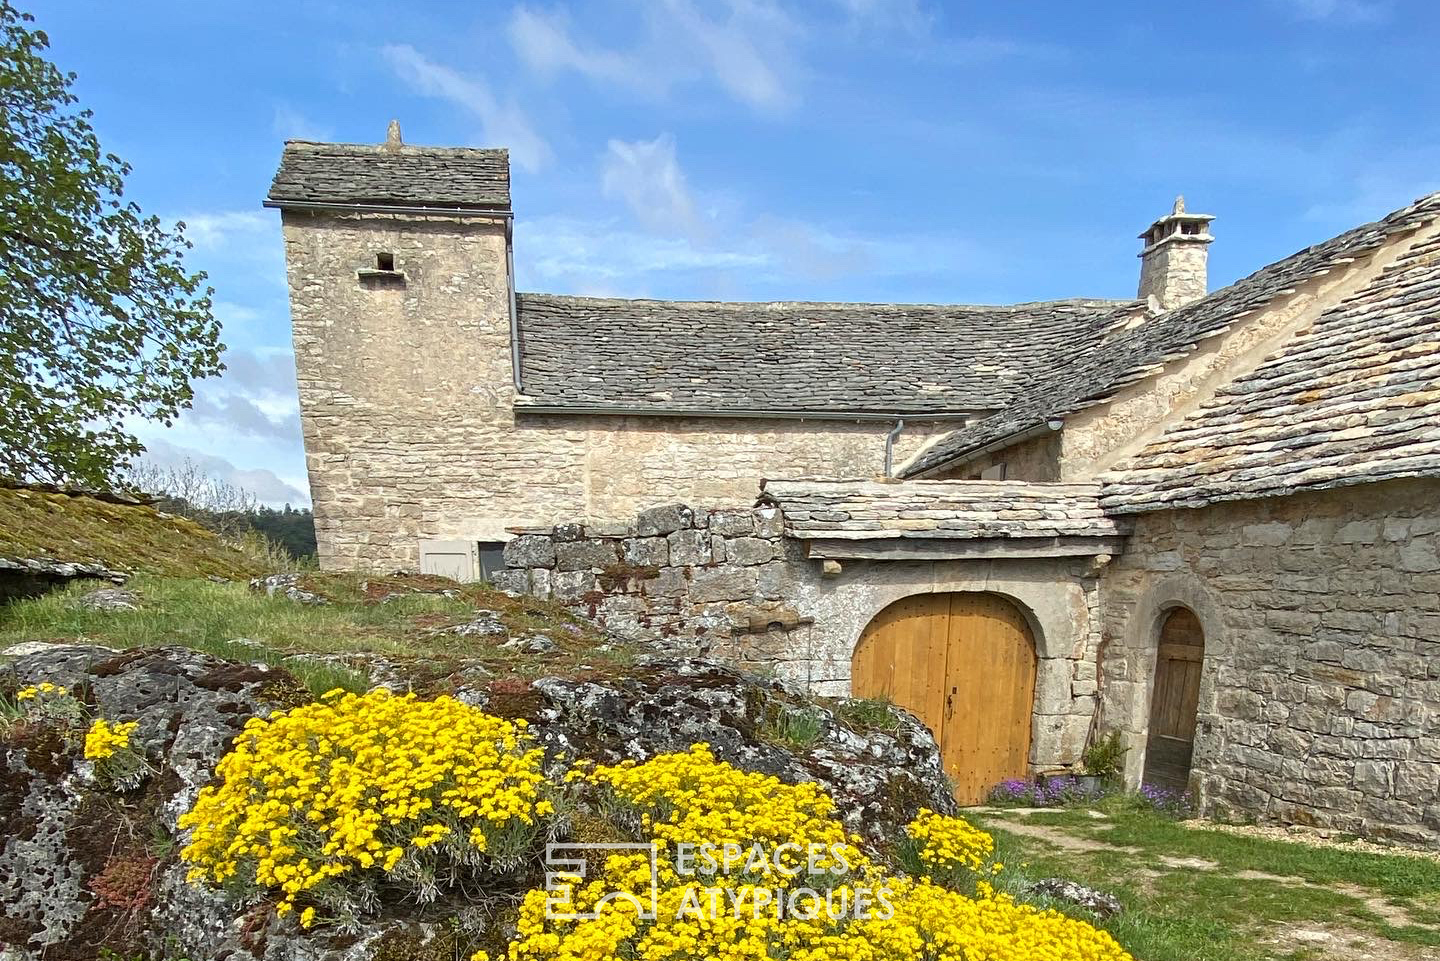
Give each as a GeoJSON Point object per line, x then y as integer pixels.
{"type": "Point", "coordinates": [106, 738]}
{"type": "Point", "coordinates": [329, 802]}
{"type": "Point", "coordinates": [48, 702]}
{"type": "Point", "coordinates": [1175, 804]}
{"type": "Point", "coordinates": [117, 761]}
{"type": "Point", "coordinates": [760, 911]}
{"type": "Point", "coordinates": [1047, 792]}
{"type": "Point", "coordinates": [948, 844]}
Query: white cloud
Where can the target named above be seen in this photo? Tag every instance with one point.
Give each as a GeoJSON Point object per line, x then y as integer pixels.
{"type": "Point", "coordinates": [1339, 11]}
{"type": "Point", "coordinates": [265, 484]}
{"type": "Point", "coordinates": [647, 176]}
{"type": "Point", "coordinates": [542, 41]}
{"type": "Point", "coordinates": [236, 414]}
{"type": "Point", "coordinates": [217, 229]}
{"type": "Point", "coordinates": [291, 124]}
{"type": "Point", "coordinates": [746, 50]}
{"type": "Point", "coordinates": [501, 124]}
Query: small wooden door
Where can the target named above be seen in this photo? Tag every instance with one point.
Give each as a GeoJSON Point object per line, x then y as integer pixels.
{"type": "Point", "coordinates": [1174, 701]}
{"type": "Point", "coordinates": [964, 664]}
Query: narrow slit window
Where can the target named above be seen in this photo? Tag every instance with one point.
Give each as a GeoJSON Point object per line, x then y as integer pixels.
{"type": "Point", "coordinates": [385, 261]}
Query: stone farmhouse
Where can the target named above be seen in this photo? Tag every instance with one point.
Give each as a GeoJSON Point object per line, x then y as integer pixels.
{"type": "Point", "coordinates": [1208, 521]}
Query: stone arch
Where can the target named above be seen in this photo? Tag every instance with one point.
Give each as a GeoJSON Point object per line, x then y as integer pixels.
{"type": "Point", "coordinates": [1141, 640]}
{"type": "Point", "coordinates": [964, 663]}
{"type": "Point", "coordinates": [1056, 596]}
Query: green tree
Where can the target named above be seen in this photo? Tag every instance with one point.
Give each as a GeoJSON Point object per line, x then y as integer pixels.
{"type": "Point", "coordinates": [100, 323]}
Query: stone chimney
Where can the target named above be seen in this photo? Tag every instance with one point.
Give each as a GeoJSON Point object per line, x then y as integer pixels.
{"type": "Point", "coordinates": [1172, 265]}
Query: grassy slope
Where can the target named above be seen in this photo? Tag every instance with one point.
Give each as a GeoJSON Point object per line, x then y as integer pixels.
{"type": "Point", "coordinates": [1183, 912]}
{"type": "Point", "coordinates": [374, 615]}
{"type": "Point", "coordinates": [124, 537]}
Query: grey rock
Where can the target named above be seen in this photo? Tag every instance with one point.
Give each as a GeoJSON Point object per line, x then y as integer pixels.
{"type": "Point", "coordinates": [663, 520]}
{"type": "Point", "coordinates": [286, 585]}
{"type": "Point", "coordinates": [530, 550]}
{"type": "Point", "coordinates": [586, 555]}
{"type": "Point", "coordinates": [1098, 902]}
{"type": "Point", "coordinates": [108, 599]}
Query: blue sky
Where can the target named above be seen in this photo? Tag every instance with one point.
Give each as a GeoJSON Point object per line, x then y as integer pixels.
{"type": "Point", "coordinates": [751, 149]}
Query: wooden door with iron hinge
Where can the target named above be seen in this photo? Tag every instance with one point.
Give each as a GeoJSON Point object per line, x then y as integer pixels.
{"type": "Point", "coordinates": [1174, 700]}
{"type": "Point", "coordinates": [964, 664]}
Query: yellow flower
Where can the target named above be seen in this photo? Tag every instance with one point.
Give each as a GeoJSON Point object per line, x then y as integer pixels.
{"type": "Point", "coordinates": [105, 738]}
{"type": "Point", "coordinates": [354, 784]}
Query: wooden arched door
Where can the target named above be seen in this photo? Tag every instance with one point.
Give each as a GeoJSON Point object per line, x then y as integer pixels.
{"type": "Point", "coordinates": [1174, 700]}
{"type": "Point", "coordinates": [964, 664]}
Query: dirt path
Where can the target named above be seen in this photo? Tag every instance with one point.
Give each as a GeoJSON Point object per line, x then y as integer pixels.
{"type": "Point", "coordinates": [1323, 942]}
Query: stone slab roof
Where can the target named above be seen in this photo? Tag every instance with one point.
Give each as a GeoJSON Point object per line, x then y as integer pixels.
{"type": "Point", "coordinates": [1091, 376]}
{"type": "Point", "coordinates": [872, 510]}
{"type": "Point", "coordinates": [387, 176]}
{"type": "Point", "coordinates": [675, 356]}
{"type": "Point", "coordinates": [1353, 399]}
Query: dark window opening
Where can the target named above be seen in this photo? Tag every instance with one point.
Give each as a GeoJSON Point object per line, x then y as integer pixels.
{"type": "Point", "coordinates": [385, 261]}
{"type": "Point", "coordinates": [492, 558]}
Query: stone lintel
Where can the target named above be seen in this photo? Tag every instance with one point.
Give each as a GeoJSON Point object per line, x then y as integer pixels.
{"type": "Point", "coordinates": [938, 549]}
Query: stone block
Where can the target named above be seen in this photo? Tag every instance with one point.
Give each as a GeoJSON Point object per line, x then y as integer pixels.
{"type": "Point", "coordinates": [514, 580]}
{"type": "Point", "coordinates": [749, 550]}
{"type": "Point", "coordinates": [722, 584]}
{"type": "Point", "coordinates": [770, 580]}
{"type": "Point", "coordinates": [586, 555]}
{"type": "Point", "coordinates": [732, 523]}
{"type": "Point", "coordinates": [1272, 534]}
{"type": "Point", "coordinates": [689, 548]}
{"type": "Point", "coordinates": [530, 550]}
{"type": "Point", "coordinates": [646, 551]}
{"type": "Point", "coordinates": [609, 529]}
{"type": "Point", "coordinates": [540, 579]}
{"type": "Point", "coordinates": [569, 587]}
{"type": "Point", "coordinates": [663, 520]}
{"type": "Point", "coordinates": [670, 582]}
{"type": "Point", "coordinates": [768, 522]}
{"type": "Point", "coordinates": [569, 532]}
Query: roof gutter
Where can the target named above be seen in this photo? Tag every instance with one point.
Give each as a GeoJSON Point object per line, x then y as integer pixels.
{"type": "Point", "coordinates": [1042, 429]}
{"type": "Point", "coordinates": [498, 214]}
{"type": "Point", "coordinates": [856, 416]}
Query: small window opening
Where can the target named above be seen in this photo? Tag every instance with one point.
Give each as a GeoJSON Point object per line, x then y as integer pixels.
{"type": "Point", "coordinates": [492, 558]}
{"type": "Point", "coordinates": [384, 261]}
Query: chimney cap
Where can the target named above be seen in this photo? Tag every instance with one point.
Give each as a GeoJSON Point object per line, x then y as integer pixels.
{"type": "Point", "coordinates": [1178, 224]}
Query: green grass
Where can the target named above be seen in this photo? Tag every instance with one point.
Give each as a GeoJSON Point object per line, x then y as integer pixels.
{"type": "Point", "coordinates": [870, 713]}
{"type": "Point", "coordinates": [1182, 913]}
{"type": "Point", "coordinates": [798, 728]}
{"type": "Point", "coordinates": [228, 620]}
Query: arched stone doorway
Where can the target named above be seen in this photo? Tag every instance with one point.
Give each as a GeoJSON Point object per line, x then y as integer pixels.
{"type": "Point", "coordinates": [963, 663]}
{"type": "Point", "coordinates": [1174, 699]}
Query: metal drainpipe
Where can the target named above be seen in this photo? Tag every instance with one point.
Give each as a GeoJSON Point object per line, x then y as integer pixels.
{"type": "Point", "coordinates": [514, 316]}
{"type": "Point", "coordinates": [890, 446]}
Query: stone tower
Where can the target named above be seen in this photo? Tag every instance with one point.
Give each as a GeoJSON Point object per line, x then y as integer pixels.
{"type": "Point", "coordinates": [402, 304]}
{"type": "Point", "coordinates": [1172, 263]}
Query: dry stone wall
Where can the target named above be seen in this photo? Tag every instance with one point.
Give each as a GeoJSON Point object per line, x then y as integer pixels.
{"type": "Point", "coordinates": [686, 578]}
{"type": "Point", "coordinates": [1320, 693]}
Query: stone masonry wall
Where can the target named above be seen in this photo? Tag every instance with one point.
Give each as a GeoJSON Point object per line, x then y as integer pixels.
{"type": "Point", "coordinates": [406, 395]}
{"type": "Point", "coordinates": [1320, 694]}
{"type": "Point", "coordinates": [694, 579]}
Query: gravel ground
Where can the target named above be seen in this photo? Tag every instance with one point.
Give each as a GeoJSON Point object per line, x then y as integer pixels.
{"type": "Point", "coordinates": [1313, 837]}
